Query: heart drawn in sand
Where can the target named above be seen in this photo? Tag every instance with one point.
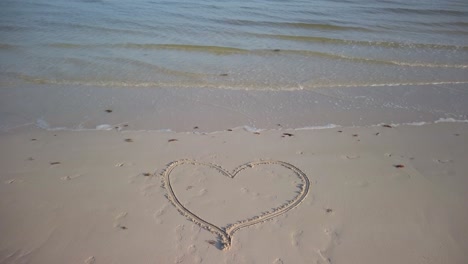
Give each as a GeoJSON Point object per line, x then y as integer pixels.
{"type": "Point", "coordinates": [226, 233]}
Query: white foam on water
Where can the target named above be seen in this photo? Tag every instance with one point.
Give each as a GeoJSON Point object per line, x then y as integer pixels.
{"type": "Point", "coordinates": [104, 127]}
{"type": "Point", "coordinates": [43, 124]}
{"type": "Point", "coordinates": [416, 124]}
{"type": "Point", "coordinates": [318, 127]}
{"type": "Point", "coordinates": [252, 129]}
{"type": "Point", "coordinates": [422, 123]}
{"type": "Point", "coordinates": [450, 120]}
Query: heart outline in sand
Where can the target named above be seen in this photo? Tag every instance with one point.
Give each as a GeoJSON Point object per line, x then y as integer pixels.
{"type": "Point", "coordinates": [226, 233]}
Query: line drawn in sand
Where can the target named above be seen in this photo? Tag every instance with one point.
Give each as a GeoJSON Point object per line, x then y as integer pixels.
{"type": "Point", "coordinates": [225, 233]}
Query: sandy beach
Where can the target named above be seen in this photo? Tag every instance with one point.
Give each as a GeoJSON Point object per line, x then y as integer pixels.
{"type": "Point", "coordinates": [233, 132]}
{"type": "Point", "coordinates": [378, 194]}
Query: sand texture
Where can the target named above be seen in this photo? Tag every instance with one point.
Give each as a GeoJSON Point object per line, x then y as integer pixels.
{"type": "Point", "coordinates": [370, 194]}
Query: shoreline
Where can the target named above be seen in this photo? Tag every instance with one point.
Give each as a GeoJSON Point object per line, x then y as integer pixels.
{"type": "Point", "coordinates": [184, 109]}
{"type": "Point", "coordinates": [121, 129]}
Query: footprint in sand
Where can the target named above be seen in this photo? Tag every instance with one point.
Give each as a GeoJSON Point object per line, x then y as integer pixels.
{"type": "Point", "coordinates": [178, 230]}
{"type": "Point", "coordinates": [67, 178]}
{"type": "Point", "coordinates": [192, 250]}
{"type": "Point", "coordinates": [178, 239]}
{"type": "Point", "coordinates": [278, 261]}
{"type": "Point", "coordinates": [119, 219]}
{"type": "Point", "coordinates": [296, 237]}
{"type": "Point", "coordinates": [149, 189]}
{"type": "Point", "coordinates": [333, 235]}
{"type": "Point", "coordinates": [195, 231]}
{"type": "Point", "coordinates": [443, 161]}
{"type": "Point", "coordinates": [179, 259]}
{"type": "Point", "coordinates": [197, 259]}
{"type": "Point", "coordinates": [202, 192]}
{"type": "Point", "coordinates": [334, 240]}
{"type": "Point", "coordinates": [350, 156]}
{"type": "Point", "coordinates": [90, 260]}
{"type": "Point", "coordinates": [124, 164]}
{"type": "Point", "coordinates": [157, 215]}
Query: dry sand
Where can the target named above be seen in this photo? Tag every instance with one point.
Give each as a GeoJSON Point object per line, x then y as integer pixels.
{"type": "Point", "coordinates": [98, 197]}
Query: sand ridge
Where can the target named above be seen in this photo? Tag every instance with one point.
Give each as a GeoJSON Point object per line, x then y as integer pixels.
{"type": "Point", "coordinates": [225, 233]}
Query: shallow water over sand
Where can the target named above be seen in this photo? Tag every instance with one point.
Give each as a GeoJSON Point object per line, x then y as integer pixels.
{"type": "Point", "coordinates": [257, 44]}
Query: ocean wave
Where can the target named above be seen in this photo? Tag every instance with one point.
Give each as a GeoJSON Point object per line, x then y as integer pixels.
{"type": "Point", "coordinates": [385, 44]}
{"type": "Point", "coordinates": [211, 49]}
{"type": "Point", "coordinates": [300, 25]}
{"type": "Point", "coordinates": [328, 27]}
{"type": "Point", "coordinates": [240, 86]}
{"type": "Point", "coordinates": [374, 61]}
{"type": "Point", "coordinates": [149, 46]}
{"type": "Point", "coordinates": [152, 67]}
{"type": "Point", "coordinates": [388, 84]}
{"type": "Point", "coordinates": [7, 46]}
{"type": "Point", "coordinates": [422, 11]}
{"type": "Point", "coordinates": [12, 28]}
{"type": "Point", "coordinates": [450, 120]}
{"type": "Point", "coordinates": [252, 129]}
{"type": "Point", "coordinates": [218, 50]}
{"type": "Point", "coordinates": [423, 123]}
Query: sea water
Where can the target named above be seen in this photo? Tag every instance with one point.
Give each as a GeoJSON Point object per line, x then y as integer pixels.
{"type": "Point", "coordinates": [218, 64]}
{"type": "Point", "coordinates": [225, 44]}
